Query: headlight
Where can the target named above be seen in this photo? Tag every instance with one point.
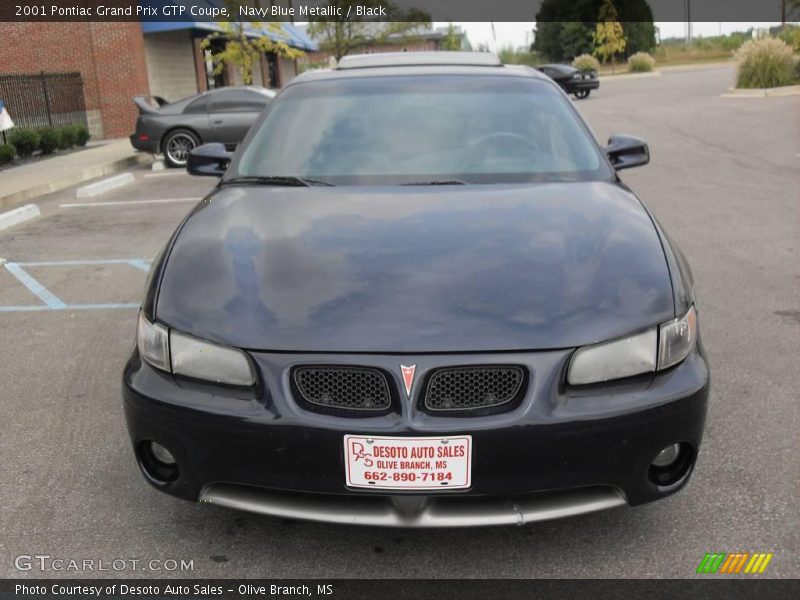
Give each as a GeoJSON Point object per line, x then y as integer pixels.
{"type": "Point", "coordinates": [677, 339]}
{"type": "Point", "coordinates": [614, 360]}
{"type": "Point", "coordinates": [203, 360]}
{"type": "Point", "coordinates": [152, 340]}
{"type": "Point", "coordinates": [185, 355]}
{"type": "Point", "coordinates": [655, 349]}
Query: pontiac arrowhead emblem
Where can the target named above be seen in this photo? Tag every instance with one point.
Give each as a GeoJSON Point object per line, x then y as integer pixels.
{"type": "Point", "coordinates": [408, 377]}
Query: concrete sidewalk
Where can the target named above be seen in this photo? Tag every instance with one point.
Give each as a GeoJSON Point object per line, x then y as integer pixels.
{"type": "Point", "coordinates": [23, 183]}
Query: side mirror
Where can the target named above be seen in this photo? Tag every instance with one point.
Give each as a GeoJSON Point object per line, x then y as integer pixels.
{"type": "Point", "coordinates": [209, 160]}
{"type": "Point", "coordinates": [625, 151]}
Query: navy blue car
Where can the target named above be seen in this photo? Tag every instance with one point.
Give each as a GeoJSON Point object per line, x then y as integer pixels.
{"type": "Point", "coordinates": [419, 295]}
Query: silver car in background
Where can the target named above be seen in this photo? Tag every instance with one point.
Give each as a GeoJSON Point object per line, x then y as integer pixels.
{"type": "Point", "coordinates": [173, 129]}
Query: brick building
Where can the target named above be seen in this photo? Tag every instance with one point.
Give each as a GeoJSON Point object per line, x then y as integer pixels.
{"type": "Point", "coordinates": [120, 60]}
{"type": "Point", "coordinates": [109, 56]}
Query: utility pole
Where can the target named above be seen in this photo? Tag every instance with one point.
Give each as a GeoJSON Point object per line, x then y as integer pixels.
{"type": "Point", "coordinates": [688, 9]}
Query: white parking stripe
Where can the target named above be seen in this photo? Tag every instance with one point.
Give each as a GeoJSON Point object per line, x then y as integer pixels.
{"type": "Point", "coordinates": [128, 202]}
{"type": "Point", "coordinates": [167, 174]}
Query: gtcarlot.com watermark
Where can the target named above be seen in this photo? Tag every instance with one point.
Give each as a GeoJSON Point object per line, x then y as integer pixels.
{"type": "Point", "coordinates": [46, 563]}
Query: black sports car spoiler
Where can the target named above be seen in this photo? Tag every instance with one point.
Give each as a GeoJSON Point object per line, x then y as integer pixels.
{"type": "Point", "coordinates": [149, 104]}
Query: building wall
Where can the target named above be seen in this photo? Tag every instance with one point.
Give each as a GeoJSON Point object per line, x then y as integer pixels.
{"type": "Point", "coordinates": [288, 70]}
{"type": "Point", "coordinates": [171, 64]}
{"type": "Point", "coordinates": [109, 56]}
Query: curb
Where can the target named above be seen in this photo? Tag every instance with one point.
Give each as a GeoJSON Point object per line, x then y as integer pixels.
{"type": "Point", "coordinates": [785, 90]}
{"type": "Point", "coordinates": [18, 215]}
{"type": "Point", "coordinates": [71, 179]}
{"type": "Point", "coordinates": [608, 77]}
{"type": "Point", "coordinates": [104, 185]}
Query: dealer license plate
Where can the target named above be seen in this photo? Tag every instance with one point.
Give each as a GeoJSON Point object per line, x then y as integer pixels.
{"type": "Point", "coordinates": [412, 463]}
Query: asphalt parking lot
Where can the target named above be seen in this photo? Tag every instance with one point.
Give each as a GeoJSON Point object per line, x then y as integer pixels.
{"type": "Point", "coordinates": [723, 181]}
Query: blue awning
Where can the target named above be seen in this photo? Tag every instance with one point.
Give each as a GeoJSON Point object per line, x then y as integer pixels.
{"type": "Point", "coordinates": [276, 31]}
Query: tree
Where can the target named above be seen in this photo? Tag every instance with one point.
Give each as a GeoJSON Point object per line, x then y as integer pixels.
{"type": "Point", "coordinates": [341, 35]}
{"type": "Point", "coordinates": [451, 41]}
{"type": "Point", "coordinates": [556, 18]}
{"type": "Point", "coordinates": [609, 38]}
{"type": "Point", "coordinates": [575, 39]}
{"type": "Point", "coordinates": [239, 46]}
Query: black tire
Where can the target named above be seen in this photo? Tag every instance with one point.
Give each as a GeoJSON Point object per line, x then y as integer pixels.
{"type": "Point", "coordinates": [176, 146]}
{"type": "Point", "coordinates": [581, 94]}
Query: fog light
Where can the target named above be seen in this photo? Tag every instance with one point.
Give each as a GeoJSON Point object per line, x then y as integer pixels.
{"type": "Point", "coordinates": [157, 463]}
{"type": "Point", "coordinates": [165, 457]}
{"type": "Point", "coordinates": [666, 457]}
{"type": "Point", "coordinates": [671, 466]}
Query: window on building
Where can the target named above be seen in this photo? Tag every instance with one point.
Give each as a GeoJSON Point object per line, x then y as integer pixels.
{"type": "Point", "coordinates": [213, 80]}
{"type": "Point", "coordinates": [273, 76]}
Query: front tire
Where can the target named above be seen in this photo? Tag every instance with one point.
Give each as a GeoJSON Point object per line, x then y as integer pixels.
{"type": "Point", "coordinates": [177, 145]}
{"type": "Point", "coordinates": [581, 94]}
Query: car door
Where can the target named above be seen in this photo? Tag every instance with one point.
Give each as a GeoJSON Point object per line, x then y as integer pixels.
{"type": "Point", "coordinates": [232, 113]}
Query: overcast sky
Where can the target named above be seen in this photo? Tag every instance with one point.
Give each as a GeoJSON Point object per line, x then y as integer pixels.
{"type": "Point", "coordinates": [519, 34]}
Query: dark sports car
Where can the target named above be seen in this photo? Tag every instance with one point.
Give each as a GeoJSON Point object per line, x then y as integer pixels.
{"type": "Point", "coordinates": [419, 296]}
{"type": "Point", "coordinates": [571, 80]}
{"type": "Point", "coordinates": [173, 129]}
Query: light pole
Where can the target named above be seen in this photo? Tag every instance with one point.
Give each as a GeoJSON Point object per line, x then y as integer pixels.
{"type": "Point", "coordinates": [688, 11]}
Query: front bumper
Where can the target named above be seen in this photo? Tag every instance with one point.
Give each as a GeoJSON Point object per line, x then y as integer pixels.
{"type": "Point", "coordinates": [560, 451]}
{"type": "Point", "coordinates": [576, 85]}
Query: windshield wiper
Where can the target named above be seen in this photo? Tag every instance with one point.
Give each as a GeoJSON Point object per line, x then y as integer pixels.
{"type": "Point", "coordinates": [284, 180]}
{"type": "Point", "coordinates": [439, 182]}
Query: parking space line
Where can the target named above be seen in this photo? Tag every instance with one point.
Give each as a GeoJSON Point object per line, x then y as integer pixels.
{"type": "Point", "coordinates": [134, 262]}
{"type": "Point", "coordinates": [33, 308]}
{"type": "Point", "coordinates": [36, 288]}
{"type": "Point", "coordinates": [43, 308]}
{"type": "Point", "coordinates": [142, 265]}
{"type": "Point", "coordinates": [51, 301]}
{"type": "Point", "coordinates": [127, 202]}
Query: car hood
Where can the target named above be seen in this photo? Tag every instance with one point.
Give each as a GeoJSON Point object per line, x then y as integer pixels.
{"type": "Point", "coordinates": [416, 269]}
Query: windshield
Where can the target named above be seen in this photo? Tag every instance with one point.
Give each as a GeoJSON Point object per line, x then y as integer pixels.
{"type": "Point", "coordinates": [423, 129]}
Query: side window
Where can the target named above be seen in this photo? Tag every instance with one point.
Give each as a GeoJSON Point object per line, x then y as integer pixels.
{"type": "Point", "coordinates": [197, 106]}
{"type": "Point", "coordinates": [238, 101]}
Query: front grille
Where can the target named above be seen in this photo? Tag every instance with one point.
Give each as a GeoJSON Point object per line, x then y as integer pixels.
{"type": "Point", "coordinates": [349, 388]}
{"type": "Point", "coordinates": [468, 388]}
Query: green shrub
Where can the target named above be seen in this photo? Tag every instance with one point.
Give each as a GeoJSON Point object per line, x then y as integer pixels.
{"type": "Point", "coordinates": [791, 35]}
{"type": "Point", "coordinates": [26, 141]}
{"type": "Point", "coordinates": [81, 134]}
{"type": "Point", "coordinates": [509, 56]}
{"type": "Point", "coordinates": [641, 62]}
{"type": "Point", "coordinates": [7, 153]}
{"type": "Point", "coordinates": [797, 69]}
{"type": "Point", "coordinates": [586, 62]}
{"type": "Point", "coordinates": [49, 140]}
{"type": "Point", "coordinates": [68, 139]}
{"type": "Point", "coordinates": [764, 63]}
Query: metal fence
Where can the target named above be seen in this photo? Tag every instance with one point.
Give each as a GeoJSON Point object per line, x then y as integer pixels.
{"type": "Point", "coordinates": [44, 99]}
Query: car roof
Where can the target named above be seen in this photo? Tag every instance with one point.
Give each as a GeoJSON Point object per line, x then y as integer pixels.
{"type": "Point", "coordinates": [418, 63]}
{"type": "Point", "coordinates": [248, 88]}
{"type": "Point", "coordinates": [410, 59]}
